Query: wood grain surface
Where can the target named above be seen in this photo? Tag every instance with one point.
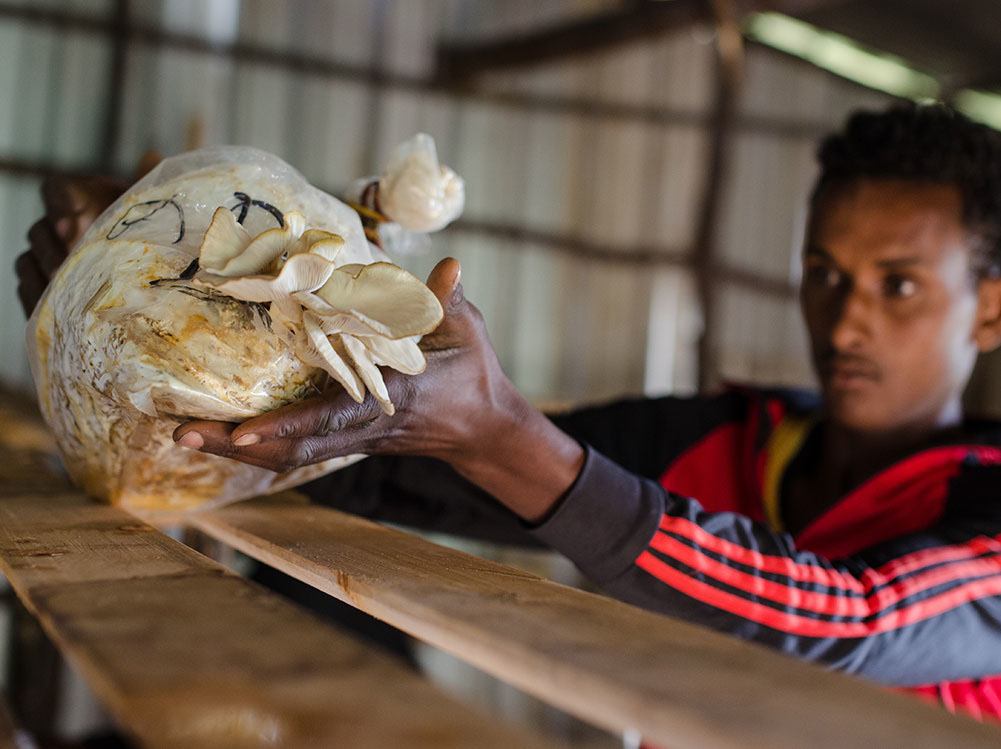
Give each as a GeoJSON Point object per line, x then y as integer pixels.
{"type": "Point", "coordinates": [607, 662]}
{"type": "Point", "coordinates": [185, 653]}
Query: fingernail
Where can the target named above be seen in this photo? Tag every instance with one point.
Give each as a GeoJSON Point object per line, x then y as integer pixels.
{"type": "Point", "coordinates": [247, 439]}
{"type": "Point", "coordinates": [64, 228]}
{"type": "Point", "coordinates": [458, 277]}
{"type": "Point", "coordinates": [192, 439]}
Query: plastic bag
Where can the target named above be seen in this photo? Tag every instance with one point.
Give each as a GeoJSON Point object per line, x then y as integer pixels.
{"type": "Point", "coordinates": [415, 195]}
{"type": "Point", "coordinates": [123, 347]}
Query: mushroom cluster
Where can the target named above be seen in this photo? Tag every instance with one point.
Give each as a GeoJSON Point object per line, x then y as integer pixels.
{"type": "Point", "coordinates": [417, 191]}
{"type": "Point", "coordinates": [346, 314]}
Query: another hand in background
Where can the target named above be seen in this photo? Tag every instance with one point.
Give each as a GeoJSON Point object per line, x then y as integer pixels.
{"type": "Point", "coordinates": [71, 206]}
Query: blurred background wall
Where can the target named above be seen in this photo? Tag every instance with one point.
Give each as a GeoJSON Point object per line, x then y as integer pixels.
{"type": "Point", "coordinates": [586, 172]}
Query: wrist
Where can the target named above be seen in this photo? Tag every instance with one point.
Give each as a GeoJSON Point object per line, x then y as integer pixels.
{"type": "Point", "coordinates": [520, 457]}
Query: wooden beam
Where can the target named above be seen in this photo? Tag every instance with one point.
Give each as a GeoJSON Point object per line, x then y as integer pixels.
{"type": "Point", "coordinates": [637, 20]}
{"type": "Point", "coordinates": [729, 74]}
{"type": "Point", "coordinates": [35, 670]}
{"type": "Point", "coordinates": [115, 90]}
{"type": "Point", "coordinates": [607, 662]}
{"type": "Point", "coordinates": [184, 653]}
{"type": "Point", "coordinates": [788, 7]}
{"type": "Point", "coordinates": [10, 735]}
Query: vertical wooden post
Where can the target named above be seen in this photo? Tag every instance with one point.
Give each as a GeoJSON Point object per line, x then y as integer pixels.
{"type": "Point", "coordinates": [34, 678]}
{"type": "Point", "coordinates": [121, 32]}
{"type": "Point", "coordinates": [729, 64]}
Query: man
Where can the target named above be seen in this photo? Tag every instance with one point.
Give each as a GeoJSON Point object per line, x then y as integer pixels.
{"type": "Point", "coordinates": [861, 530]}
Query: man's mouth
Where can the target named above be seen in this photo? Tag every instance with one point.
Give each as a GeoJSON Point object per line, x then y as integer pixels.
{"type": "Point", "coordinates": [847, 371]}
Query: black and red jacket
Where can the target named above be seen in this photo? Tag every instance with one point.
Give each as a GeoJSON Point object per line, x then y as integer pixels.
{"type": "Point", "coordinates": [678, 510]}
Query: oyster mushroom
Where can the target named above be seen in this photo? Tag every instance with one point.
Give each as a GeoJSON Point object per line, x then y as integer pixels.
{"type": "Point", "coordinates": [416, 191]}
{"type": "Point", "coordinates": [345, 318]}
{"type": "Point", "coordinates": [229, 250]}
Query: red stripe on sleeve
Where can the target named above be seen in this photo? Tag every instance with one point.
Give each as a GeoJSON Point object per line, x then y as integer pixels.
{"type": "Point", "coordinates": [822, 603]}
{"type": "Point", "coordinates": [807, 573]}
{"type": "Point", "coordinates": [991, 695]}
{"type": "Point", "coordinates": [823, 575]}
{"type": "Point", "coordinates": [801, 625]}
{"type": "Point", "coordinates": [926, 557]}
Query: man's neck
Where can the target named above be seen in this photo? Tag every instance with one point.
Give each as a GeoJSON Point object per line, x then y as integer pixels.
{"type": "Point", "coordinates": [848, 457]}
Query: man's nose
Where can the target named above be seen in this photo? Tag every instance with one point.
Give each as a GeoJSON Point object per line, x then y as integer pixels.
{"type": "Point", "coordinates": [854, 319]}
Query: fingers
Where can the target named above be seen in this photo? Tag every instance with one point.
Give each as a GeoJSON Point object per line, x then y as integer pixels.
{"type": "Point", "coordinates": [214, 437]}
{"type": "Point", "coordinates": [207, 434]}
{"type": "Point", "coordinates": [56, 198]}
{"type": "Point", "coordinates": [47, 246]}
{"type": "Point", "coordinates": [31, 281]}
{"type": "Point", "coordinates": [313, 417]}
{"type": "Point", "coordinates": [72, 203]}
{"type": "Point", "coordinates": [324, 415]}
{"type": "Point", "coordinates": [36, 267]}
{"type": "Point", "coordinates": [312, 431]}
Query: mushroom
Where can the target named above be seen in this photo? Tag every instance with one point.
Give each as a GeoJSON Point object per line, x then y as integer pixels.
{"type": "Point", "coordinates": [347, 318]}
{"type": "Point", "coordinates": [416, 191]}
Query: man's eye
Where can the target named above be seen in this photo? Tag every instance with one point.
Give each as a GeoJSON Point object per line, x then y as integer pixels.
{"type": "Point", "coordinates": [896, 285]}
{"type": "Point", "coordinates": [823, 275]}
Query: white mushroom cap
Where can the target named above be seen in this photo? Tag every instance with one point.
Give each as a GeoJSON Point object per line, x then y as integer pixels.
{"type": "Point", "coordinates": [418, 193]}
{"type": "Point", "coordinates": [319, 242]}
{"type": "Point", "coordinates": [302, 272]}
{"type": "Point", "coordinates": [223, 240]}
{"type": "Point", "coordinates": [383, 297]}
{"type": "Point", "coordinates": [345, 318]}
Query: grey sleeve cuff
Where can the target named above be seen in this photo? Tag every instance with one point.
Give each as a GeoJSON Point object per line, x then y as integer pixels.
{"type": "Point", "coordinates": [606, 519]}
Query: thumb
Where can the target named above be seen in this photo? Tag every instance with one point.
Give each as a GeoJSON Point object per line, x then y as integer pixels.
{"type": "Point", "coordinates": [444, 280]}
{"type": "Point", "coordinates": [462, 320]}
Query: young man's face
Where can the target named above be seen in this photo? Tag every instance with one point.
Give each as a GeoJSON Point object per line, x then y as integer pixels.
{"type": "Point", "coordinates": [890, 303]}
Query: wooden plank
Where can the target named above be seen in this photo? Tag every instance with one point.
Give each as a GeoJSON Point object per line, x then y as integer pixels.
{"type": "Point", "coordinates": [185, 653]}
{"type": "Point", "coordinates": [30, 461]}
{"type": "Point", "coordinates": [9, 733]}
{"type": "Point", "coordinates": [604, 661]}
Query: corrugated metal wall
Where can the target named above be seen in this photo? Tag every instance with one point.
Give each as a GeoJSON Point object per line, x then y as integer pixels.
{"type": "Point", "coordinates": [583, 177]}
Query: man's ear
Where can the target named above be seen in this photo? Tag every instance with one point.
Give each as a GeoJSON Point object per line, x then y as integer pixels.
{"type": "Point", "coordinates": [987, 332]}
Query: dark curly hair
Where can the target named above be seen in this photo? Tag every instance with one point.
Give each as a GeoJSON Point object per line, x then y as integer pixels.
{"type": "Point", "coordinates": [928, 143]}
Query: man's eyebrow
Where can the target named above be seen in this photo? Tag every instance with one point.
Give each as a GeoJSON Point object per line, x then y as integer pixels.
{"type": "Point", "coordinates": [813, 251]}
{"type": "Point", "coordinates": [819, 252]}
{"type": "Point", "coordinates": [896, 262]}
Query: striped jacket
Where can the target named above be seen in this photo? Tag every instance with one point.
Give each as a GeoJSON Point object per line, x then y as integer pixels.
{"type": "Point", "coordinates": [677, 510]}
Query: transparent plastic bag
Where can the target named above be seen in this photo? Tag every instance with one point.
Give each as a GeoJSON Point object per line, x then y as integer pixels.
{"type": "Point", "coordinates": [122, 352]}
{"type": "Point", "coordinates": [414, 196]}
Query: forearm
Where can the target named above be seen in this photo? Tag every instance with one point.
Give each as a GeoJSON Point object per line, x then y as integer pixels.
{"type": "Point", "coordinates": [519, 456]}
